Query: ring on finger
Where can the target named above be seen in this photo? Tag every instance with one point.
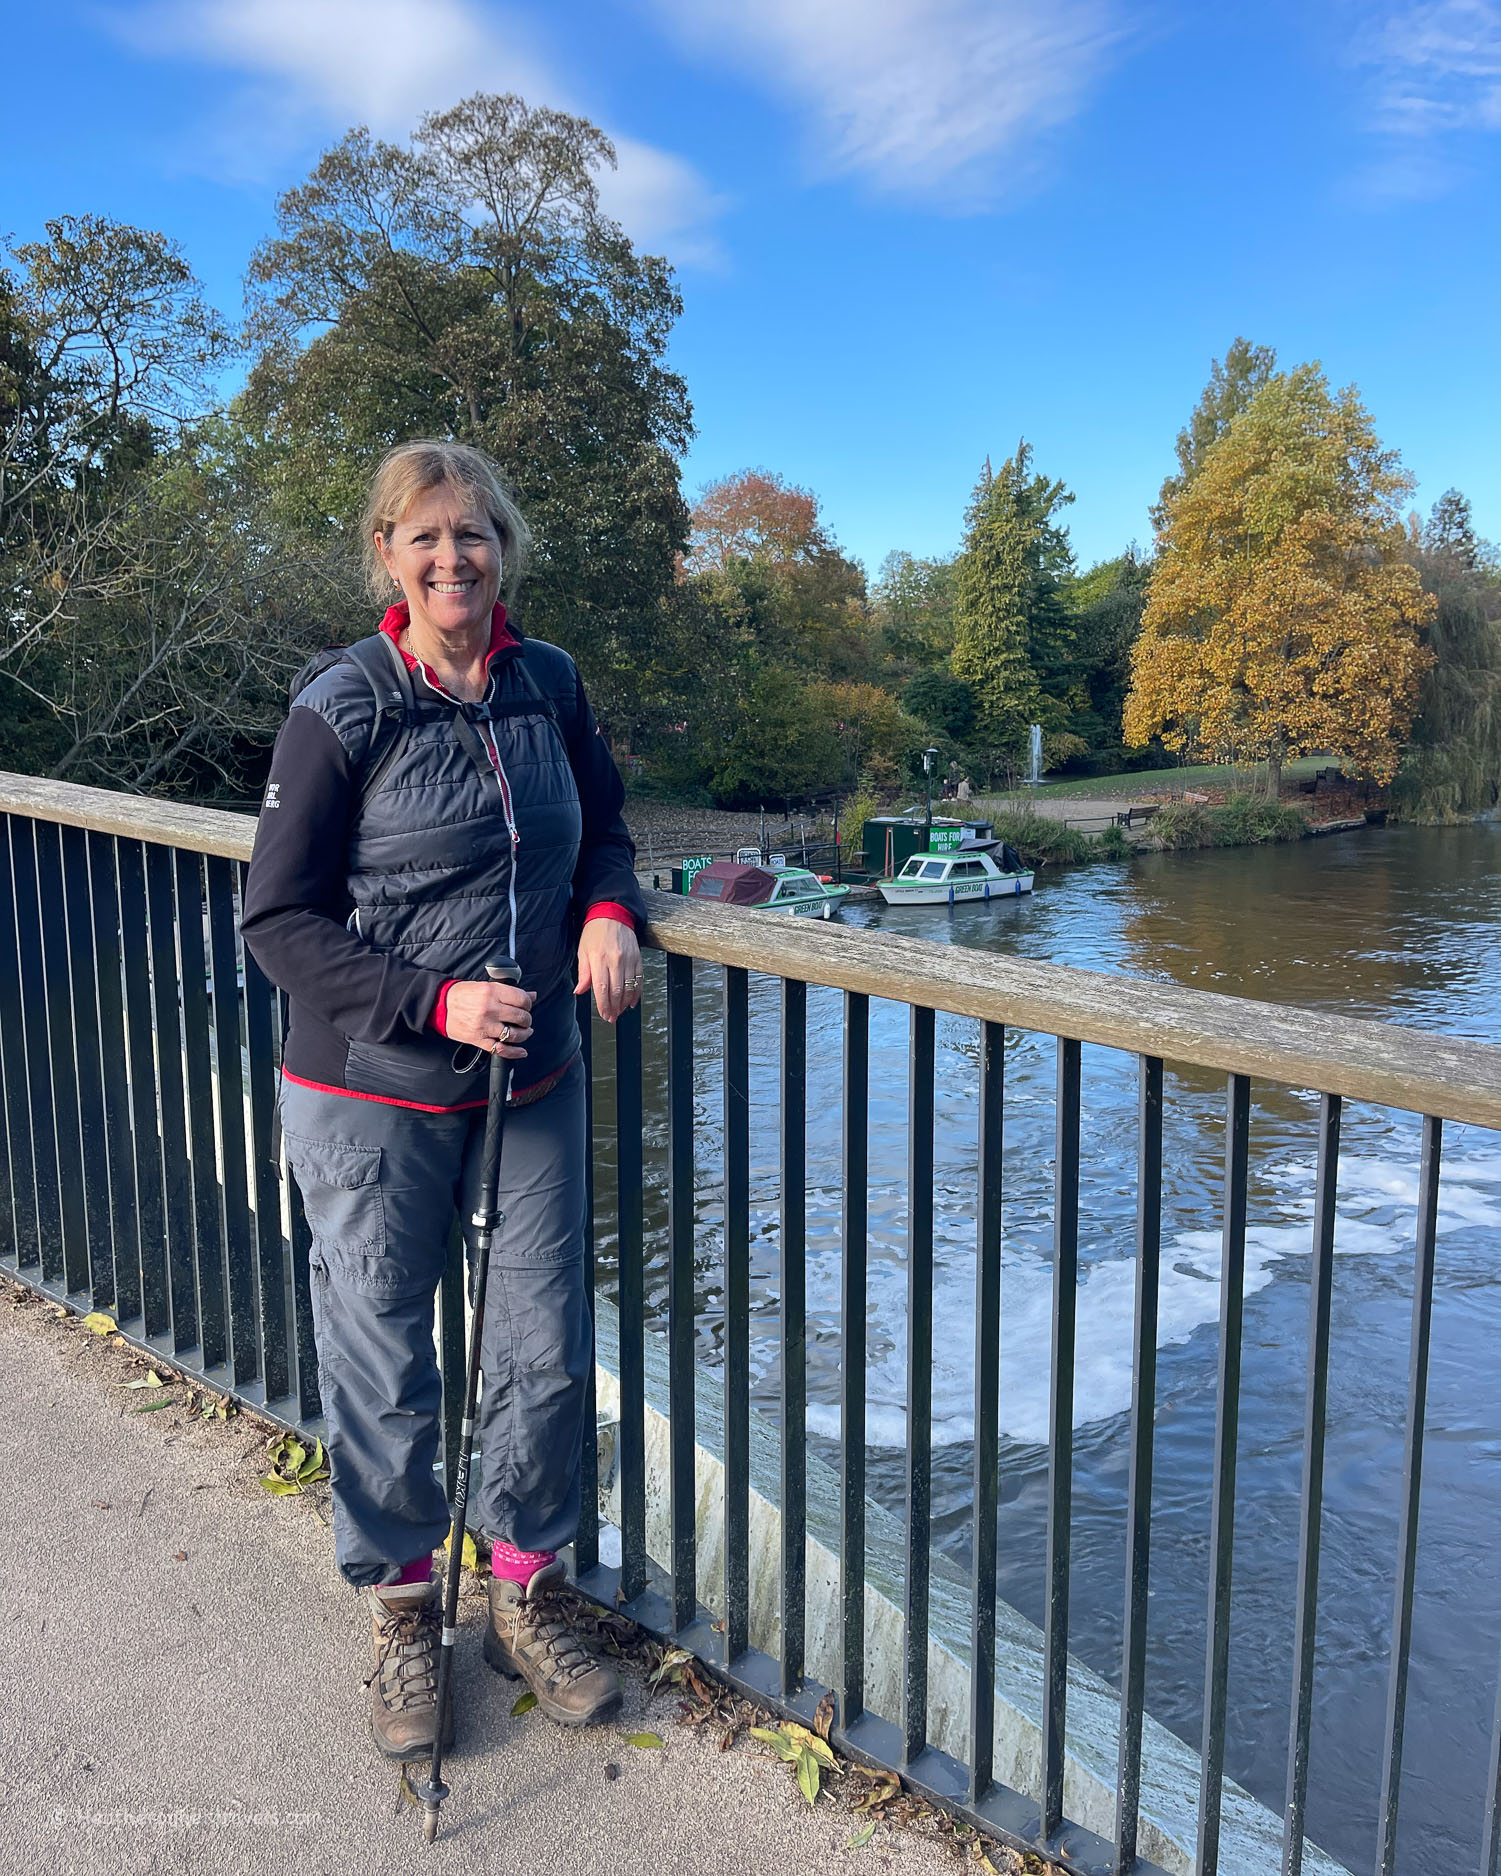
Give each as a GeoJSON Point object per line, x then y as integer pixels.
{"type": "Point", "coordinates": [505, 1032]}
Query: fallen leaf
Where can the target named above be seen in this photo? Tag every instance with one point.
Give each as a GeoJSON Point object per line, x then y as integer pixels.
{"type": "Point", "coordinates": [823, 1715]}
{"type": "Point", "coordinates": [280, 1488]}
{"type": "Point", "coordinates": [150, 1379]}
{"type": "Point", "coordinates": [97, 1323]}
{"type": "Point", "coordinates": [101, 1504]}
{"type": "Point", "coordinates": [807, 1774]}
{"type": "Point", "coordinates": [862, 1836]}
{"type": "Point", "coordinates": [181, 1557]}
{"type": "Point", "coordinates": [152, 1406]}
{"type": "Point", "coordinates": [643, 1739]}
{"type": "Point", "coordinates": [404, 1792]}
{"type": "Point", "coordinates": [523, 1704]}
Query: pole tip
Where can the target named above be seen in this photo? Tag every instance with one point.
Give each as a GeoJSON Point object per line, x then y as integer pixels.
{"type": "Point", "coordinates": [430, 1823]}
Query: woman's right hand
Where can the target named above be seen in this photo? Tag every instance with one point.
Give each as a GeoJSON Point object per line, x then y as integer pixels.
{"type": "Point", "coordinates": [478, 1013]}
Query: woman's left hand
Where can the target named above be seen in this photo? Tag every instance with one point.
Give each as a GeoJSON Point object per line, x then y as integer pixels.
{"type": "Point", "coordinates": [610, 966]}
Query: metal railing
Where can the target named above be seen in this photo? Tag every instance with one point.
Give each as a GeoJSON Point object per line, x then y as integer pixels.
{"type": "Point", "coordinates": [138, 1046]}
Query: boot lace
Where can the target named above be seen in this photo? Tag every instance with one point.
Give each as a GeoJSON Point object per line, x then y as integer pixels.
{"type": "Point", "coordinates": [408, 1657]}
{"type": "Point", "coordinates": [543, 1629]}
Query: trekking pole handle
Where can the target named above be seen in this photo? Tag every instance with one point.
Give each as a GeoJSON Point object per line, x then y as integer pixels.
{"type": "Point", "coordinates": [503, 970]}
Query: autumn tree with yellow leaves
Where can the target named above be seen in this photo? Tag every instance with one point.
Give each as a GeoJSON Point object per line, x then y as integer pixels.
{"type": "Point", "coordinates": [1282, 618]}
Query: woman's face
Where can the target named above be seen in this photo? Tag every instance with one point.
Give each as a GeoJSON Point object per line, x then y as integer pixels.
{"type": "Point", "coordinates": [444, 554]}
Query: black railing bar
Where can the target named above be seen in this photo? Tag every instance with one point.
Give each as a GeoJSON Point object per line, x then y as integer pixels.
{"type": "Point", "coordinates": [1490, 1835]}
{"type": "Point", "coordinates": [736, 1072]}
{"type": "Point", "coordinates": [304, 1349]}
{"type": "Point", "coordinates": [1139, 1487]}
{"type": "Point", "coordinates": [38, 1064]}
{"type": "Point", "coordinates": [88, 1063]}
{"type": "Point", "coordinates": [161, 907]}
{"type": "Point", "coordinates": [919, 1383]}
{"type": "Point", "coordinates": [853, 1303]}
{"type": "Point", "coordinates": [208, 1242]}
{"type": "Point", "coordinates": [1226, 1431]}
{"type": "Point", "coordinates": [986, 1493]}
{"type": "Point", "coordinates": [586, 1539]}
{"type": "Point", "coordinates": [1412, 1485]}
{"type": "Point", "coordinates": [67, 1112]}
{"type": "Point", "coordinates": [681, 1299]}
{"type": "Point", "coordinates": [19, 1158]}
{"type": "Point", "coordinates": [631, 1437]}
{"type": "Point", "coordinates": [1311, 1510]}
{"type": "Point", "coordinates": [230, 1117]}
{"type": "Point", "coordinates": [260, 1048]}
{"type": "Point", "coordinates": [151, 1234]}
{"type": "Point", "coordinates": [1061, 1431]}
{"type": "Point", "coordinates": [104, 893]}
{"type": "Point", "coordinates": [794, 1327]}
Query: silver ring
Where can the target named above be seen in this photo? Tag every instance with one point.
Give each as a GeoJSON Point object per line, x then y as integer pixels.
{"type": "Point", "coordinates": [505, 1032]}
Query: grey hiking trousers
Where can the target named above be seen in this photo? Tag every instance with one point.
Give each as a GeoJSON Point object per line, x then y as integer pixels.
{"type": "Point", "coordinates": [380, 1185]}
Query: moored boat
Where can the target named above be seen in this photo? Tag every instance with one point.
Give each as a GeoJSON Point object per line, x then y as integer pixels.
{"type": "Point", "coordinates": [760, 889]}
{"type": "Point", "coordinates": [952, 879]}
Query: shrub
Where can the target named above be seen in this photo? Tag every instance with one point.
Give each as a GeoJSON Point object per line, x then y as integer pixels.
{"type": "Point", "coordinates": [1252, 821]}
{"type": "Point", "coordinates": [1042, 842]}
{"type": "Point", "coordinates": [1112, 844]}
{"type": "Point", "coordinates": [1181, 825]}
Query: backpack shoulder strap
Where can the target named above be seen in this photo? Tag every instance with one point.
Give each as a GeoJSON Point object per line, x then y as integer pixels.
{"type": "Point", "coordinates": [395, 707]}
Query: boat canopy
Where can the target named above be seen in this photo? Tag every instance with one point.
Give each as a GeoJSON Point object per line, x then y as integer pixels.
{"type": "Point", "coordinates": [733, 884]}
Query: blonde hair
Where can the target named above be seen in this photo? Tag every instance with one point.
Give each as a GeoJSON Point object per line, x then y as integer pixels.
{"type": "Point", "coordinates": [410, 470]}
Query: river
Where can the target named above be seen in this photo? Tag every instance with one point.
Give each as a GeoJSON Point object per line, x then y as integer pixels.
{"type": "Point", "coordinates": [1402, 925]}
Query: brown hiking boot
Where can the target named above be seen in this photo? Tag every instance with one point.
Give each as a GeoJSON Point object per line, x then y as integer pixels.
{"type": "Point", "coordinates": [406, 1624]}
{"type": "Point", "coordinates": [529, 1638]}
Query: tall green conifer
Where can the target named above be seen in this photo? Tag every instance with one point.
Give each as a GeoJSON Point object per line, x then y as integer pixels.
{"type": "Point", "coordinates": [993, 589]}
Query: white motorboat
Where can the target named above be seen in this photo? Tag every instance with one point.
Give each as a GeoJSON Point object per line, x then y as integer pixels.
{"type": "Point", "coordinates": [952, 879]}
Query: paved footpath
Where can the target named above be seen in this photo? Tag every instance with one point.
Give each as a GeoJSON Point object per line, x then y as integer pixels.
{"type": "Point", "coordinates": [181, 1669]}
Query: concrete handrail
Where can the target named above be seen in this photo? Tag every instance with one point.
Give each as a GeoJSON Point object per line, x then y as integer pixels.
{"type": "Point", "coordinates": [1452, 1077]}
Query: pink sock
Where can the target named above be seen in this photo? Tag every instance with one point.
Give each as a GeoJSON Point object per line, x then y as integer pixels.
{"type": "Point", "coordinates": [518, 1566]}
{"type": "Point", "coordinates": [418, 1570]}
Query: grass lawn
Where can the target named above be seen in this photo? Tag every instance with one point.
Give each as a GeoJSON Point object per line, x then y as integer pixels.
{"type": "Point", "coordinates": [1193, 775]}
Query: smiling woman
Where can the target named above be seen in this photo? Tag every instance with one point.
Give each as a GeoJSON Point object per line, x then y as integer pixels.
{"type": "Point", "coordinates": [439, 800]}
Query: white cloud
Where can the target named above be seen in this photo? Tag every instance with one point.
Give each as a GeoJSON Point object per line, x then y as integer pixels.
{"type": "Point", "coordinates": [315, 66]}
{"type": "Point", "coordinates": [929, 99]}
{"type": "Point", "coordinates": [1440, 67]}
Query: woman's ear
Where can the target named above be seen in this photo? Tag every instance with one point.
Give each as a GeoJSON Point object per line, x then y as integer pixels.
{"type": "Point", "coordinates": [380, 548]}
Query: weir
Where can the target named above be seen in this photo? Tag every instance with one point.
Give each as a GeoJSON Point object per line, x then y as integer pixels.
{"type": "Point", "coordinates": [142, 1175]}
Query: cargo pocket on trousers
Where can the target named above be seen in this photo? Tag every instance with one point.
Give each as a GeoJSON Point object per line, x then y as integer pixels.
{"type": "Point", "coordinates": [340, 1186]}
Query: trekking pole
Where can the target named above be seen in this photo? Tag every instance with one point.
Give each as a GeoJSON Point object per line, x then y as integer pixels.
{"type": "Point", "coordinates": [486, 1220]}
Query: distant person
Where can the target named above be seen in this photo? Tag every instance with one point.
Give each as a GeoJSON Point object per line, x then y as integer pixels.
{"type": "Point", "coordinates": [391, 865]}
{"type": "Point", "coordinates": [966, 793]}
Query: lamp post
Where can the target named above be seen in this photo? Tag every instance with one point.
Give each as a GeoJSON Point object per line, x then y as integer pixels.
{"type": "Point", "coordinates": [929, 757]}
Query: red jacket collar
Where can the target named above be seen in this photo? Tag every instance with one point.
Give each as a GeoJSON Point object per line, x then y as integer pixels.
{"type": "Point", "coordinates": [399, 617]}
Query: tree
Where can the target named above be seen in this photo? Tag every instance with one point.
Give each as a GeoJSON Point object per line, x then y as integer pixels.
{"type": "Point", "coordinates": [1449, 533]}
{"type": "Point", "coordinates": [1282, 618]}
{"type": "Point", "coordinates": [1453, 764]}
{"type": "Point", "coordinates": [1107, 604]}
{"type": "Point", "coordinates": [1012, 632]}
{"type": "Point", "coordinates": [754, 515]}
{"type": "Point", "coordinates": [942, 701]}
{"type": "Point", "coordinates": [1232, 385]}
{"type": "Point", "coordinates": [914, 611]}
{"type": "Point", "coordinates": [469, 285]}
{"type": "Point", "coordinates": [107, 353]}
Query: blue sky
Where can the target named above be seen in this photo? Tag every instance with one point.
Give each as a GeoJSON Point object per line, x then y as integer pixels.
{"type": "Point", "coordinates": [907, 231]}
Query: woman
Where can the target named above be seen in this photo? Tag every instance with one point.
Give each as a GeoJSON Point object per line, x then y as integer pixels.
{"type": "Point", "coordinates": [440, 796]}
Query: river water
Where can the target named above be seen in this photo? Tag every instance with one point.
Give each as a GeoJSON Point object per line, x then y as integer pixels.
{"type": "Point", "coordinates": [1400, 924]}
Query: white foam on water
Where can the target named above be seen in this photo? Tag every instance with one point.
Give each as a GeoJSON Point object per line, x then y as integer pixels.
{"type": "Point", "coordinates": [1375, 1216]}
